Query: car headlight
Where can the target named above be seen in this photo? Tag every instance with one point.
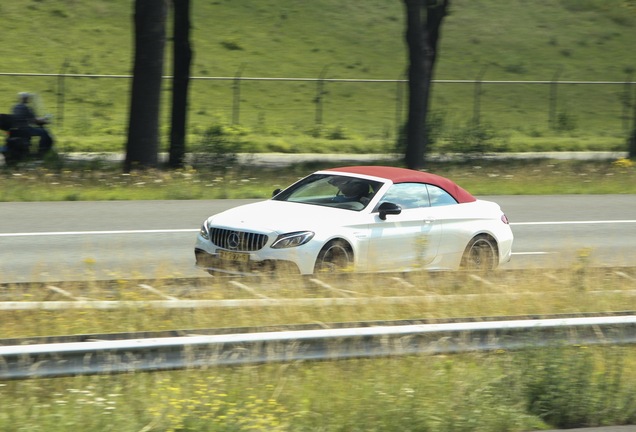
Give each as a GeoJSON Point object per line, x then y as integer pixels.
{"type": "Point", "coordinates": [293, 239]}
{"type": "Point", "coordinates": [204, 232]}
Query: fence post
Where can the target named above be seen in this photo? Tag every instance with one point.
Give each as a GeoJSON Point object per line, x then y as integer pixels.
{"type": "Point", "coordinates": [553, 99]}
{"type": "Point", "coordinates": [61, 93]}
{"type": "Point", "coordinates": [627, 101]}
{"type": "Point", "coordinates": [477, 102]}
{"type": "Point", "coordinates": [236, 86]}
{"type": "Point", "coordinates": [319, 92]}
{"type": "Point", "coordinates": [399, 104]}
{"type": "Point", "coordinates": [631, 147]}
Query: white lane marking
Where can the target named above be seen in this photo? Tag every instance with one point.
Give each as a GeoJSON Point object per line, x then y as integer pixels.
{"type": "Point", "coordinates": [66, 233]}
{"type": "Point", "coordinates": [575, 222]}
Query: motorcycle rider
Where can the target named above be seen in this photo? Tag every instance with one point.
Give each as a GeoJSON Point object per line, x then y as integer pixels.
{"type": "Point", "coordinates": [24, 118]}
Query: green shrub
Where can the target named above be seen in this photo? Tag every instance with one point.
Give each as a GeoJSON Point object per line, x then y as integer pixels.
{"type": "Point", "coordinates": [565, 122]}
{"type": "Point", "coordinates": [578, 387]}
{"type": "Point", "coordinates": [337, 133]}
{"type": "Point", "coordinates": [219, 146]}
{"type": "Point", "coordinates": [473, 139]}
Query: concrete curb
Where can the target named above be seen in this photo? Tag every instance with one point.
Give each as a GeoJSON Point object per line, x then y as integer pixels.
{"type": "Point", "coordinates": [284, 159]}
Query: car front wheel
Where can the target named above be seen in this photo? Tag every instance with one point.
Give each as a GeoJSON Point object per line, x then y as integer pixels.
{"type": "Point", "coordinates": [335, 257]}
{"type": "Point", "coordinates": [480, 254]}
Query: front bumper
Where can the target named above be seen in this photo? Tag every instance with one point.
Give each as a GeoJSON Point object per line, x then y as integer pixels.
{"type": "Point", "coordinates": [213, 263]}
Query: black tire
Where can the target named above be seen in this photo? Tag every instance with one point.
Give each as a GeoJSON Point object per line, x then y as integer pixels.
{"type": "Point", "coordinates": [481, 254]}
{"type": "Point", "coordinates": [335, 257]}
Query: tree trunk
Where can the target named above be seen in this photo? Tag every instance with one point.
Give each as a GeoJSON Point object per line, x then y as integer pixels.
{"type": "Point", "coordinates": [424, 19]}
{"type": "Point", "coordinates": [143, 127]}
{"type": "Point", "coordinates": [182, 59]}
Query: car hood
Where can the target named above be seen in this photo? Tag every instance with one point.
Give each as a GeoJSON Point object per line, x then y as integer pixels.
{"type": "Point", "coordinates": [283, 216]}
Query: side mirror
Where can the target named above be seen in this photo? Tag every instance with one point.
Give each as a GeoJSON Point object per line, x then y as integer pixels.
{"type": "Point", "coordinates": [388, 208]}
{"type": "Point", "coordinates": [276, 192]}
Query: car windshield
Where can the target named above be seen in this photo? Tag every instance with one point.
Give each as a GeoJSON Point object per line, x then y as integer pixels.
{"type": "Point", "coordinates": [350, 193]}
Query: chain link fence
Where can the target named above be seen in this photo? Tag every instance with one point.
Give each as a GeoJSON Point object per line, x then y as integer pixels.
{"type": "Point", "coordinates": [97, 105]}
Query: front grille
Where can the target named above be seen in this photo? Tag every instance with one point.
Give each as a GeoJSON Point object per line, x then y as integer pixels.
{"type": "Point", "coordinates": [237, 240]}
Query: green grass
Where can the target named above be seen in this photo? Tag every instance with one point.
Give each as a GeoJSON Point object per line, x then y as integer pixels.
{"type": "Point", "coordinates": [536, 292]}
{"type": "Point", "coordinates": [586, 40]}
{"type": "Point", "coordinates": [561, 387]}
{"type": "Point", "coordinates": [60, 180]}
{"type": "Point", "coordinates": [590, 40]}
{"type": "Point", "coordinates": [504, 391]}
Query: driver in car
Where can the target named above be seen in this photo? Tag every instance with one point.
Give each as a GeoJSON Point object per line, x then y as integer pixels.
{"type": "Point", "coordinates": [355, 190]}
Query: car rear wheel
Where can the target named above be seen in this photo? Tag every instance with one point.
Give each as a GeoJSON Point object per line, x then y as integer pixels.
{"type": "Point", "coordinates": [480, 254]}
{"type": "Point", "coordinates": [335, 257]}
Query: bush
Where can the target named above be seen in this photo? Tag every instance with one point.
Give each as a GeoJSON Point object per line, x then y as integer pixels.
{"type": "Point", "coordinates": [565, 122]}
{"type": "Point", "coordinates": [566, 388]}
{"type": "Point", "coordinates": [472, 139]}
{"type": "Point", "coordinates": [334, 133]}
{"type": "Point", "coordinates": [219, 146]}
{"type": "Point", "coordinates": [337, 133]}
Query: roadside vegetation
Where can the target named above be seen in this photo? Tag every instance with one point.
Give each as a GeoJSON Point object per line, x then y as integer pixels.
{"type": "Point", "coordinates": [505, 391]}
{"type": "Point", "coordinates": [576, 288]}
{"type": "Point", "coordinates": [213, 179]}
{"type": "Point", "coordinates": [558, 387]}
{"type": "Point", "coordinates": [564, 40]}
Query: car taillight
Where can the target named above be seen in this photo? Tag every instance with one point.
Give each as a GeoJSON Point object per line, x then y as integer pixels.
{"type": "Point", "coordinates": [504, 219]}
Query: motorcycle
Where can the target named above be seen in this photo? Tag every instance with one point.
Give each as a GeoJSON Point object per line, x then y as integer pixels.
{"type": "Point", "coordinates": [17, 145]}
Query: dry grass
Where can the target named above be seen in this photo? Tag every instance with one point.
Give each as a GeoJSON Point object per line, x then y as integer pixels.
{"type": "Point", "coordinates": [511, 391]}
{"type": "Point", "coordinates": [380, 297]}
{"type": "Point", "coordinates": [102, 181]}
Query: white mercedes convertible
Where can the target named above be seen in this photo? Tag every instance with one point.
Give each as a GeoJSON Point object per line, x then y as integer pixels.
{"type": "Point", "coordinates": [358, 219]}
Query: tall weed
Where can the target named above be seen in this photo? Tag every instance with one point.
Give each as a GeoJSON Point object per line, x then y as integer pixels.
{"type": "Point", "coordinates": [574, 387]}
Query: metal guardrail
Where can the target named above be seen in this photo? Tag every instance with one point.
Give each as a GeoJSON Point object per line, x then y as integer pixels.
{"type": "Point", "coordinates": [172, 353]}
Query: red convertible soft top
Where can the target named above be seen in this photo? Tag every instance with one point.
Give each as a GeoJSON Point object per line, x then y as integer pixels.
{"type": "Point", "coordinates": [403, 175]}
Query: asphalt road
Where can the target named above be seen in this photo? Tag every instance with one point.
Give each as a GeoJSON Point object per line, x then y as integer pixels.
{"type": "Point", "coordinates": [53, 241]}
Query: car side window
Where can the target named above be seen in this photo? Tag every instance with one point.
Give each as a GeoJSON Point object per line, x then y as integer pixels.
{"type": "Point", "coordinates": [408, 195]}
{"type": "Point", "coordinates": [439, 197]}
{"type": "Point", "coordinates": [418, 195]}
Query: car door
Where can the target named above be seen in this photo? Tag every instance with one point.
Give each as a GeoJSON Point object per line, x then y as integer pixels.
{"type": "Point", "coordinates": [410, 239]}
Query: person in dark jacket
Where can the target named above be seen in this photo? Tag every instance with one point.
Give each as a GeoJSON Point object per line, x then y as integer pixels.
{"type": "Point", "coordinates": [24, 118]}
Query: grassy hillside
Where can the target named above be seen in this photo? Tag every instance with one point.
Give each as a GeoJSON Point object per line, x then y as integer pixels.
{"type": "Point", "coordinates": [514, 40]}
